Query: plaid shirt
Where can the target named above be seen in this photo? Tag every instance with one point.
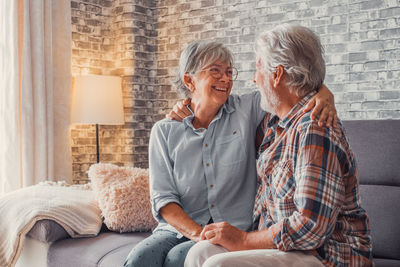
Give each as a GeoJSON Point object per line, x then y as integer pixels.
{"type": "Point", "coordinates": [308, 195]}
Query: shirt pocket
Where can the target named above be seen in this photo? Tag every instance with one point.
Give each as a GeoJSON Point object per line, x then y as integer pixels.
{"type": "Point", "coordinates": [230, 149]}
{"type": "Point", "coordinates": [282, 190]}
{"type": "Point", "coordinates": [282, 180]}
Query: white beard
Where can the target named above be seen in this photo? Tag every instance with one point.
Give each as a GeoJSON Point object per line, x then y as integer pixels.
{"type": "Point", "coordinates": [269, 100]}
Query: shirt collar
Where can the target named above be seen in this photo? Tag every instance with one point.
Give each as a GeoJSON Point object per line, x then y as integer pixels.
{"type": "Point", "coordinates": [225, 108]}
{"type": "Point", "coordinates": [189, 119]}
{"type": "Point", "coordinates": [292, 113]}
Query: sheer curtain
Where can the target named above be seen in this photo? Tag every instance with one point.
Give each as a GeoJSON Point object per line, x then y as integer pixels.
{"type": "Point", "coordinates": [35, 82]}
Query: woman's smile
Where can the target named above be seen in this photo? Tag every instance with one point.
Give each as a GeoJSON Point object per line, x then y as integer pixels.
{"type": "Point", "coordinates": [220, 89]}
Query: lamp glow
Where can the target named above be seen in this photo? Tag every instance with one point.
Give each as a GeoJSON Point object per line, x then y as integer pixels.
{"type": "Point", "coordinates": [97, 100]}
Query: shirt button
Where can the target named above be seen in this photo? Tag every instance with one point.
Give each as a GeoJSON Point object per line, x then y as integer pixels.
{"type": "Point", "coordinates": [207, 164]}
{"type": "Point", "coordinates": [212, 206]}
{"type": "Point", "coordinates": [206, 145]}
{"type": "Point", "coordinates": [211, 185]}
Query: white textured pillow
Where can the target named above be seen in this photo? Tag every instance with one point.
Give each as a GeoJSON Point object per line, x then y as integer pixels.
{"type": "Point", "coordinates": [123, 197]}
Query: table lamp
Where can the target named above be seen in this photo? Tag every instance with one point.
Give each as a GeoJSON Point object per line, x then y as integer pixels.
{"type": "Point", "coordinates": [97, 100]}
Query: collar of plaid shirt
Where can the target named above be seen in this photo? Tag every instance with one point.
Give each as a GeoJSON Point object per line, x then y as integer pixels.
{"type": "Point", "coordinates": [272, 122]}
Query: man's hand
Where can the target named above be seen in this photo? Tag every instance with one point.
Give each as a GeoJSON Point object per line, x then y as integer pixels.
{"type": "Point", "coordinates": [226, 235]}
{"type": "Point", "coordinates": [323, 106]}
{"type": "Point", "coordinates": [179, 111]}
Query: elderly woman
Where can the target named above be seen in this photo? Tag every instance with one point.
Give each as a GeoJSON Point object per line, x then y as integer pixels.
{"type": "Point", "coordinates": [202, 170]}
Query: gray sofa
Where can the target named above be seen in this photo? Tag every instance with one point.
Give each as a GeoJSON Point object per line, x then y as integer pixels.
{"type": "Point", "coordinates": [377, 148]}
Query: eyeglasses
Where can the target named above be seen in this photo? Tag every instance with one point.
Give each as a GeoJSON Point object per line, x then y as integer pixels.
{"type": "Point", "coordinates": [217, 73]}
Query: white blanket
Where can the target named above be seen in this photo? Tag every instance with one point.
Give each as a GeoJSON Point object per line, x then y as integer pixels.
{"type": "Point", "coordinates": [72, 207]}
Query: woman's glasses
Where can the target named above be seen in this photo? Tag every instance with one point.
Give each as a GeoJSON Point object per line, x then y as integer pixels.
{"type": "Point", "coordinates": [217, 73]}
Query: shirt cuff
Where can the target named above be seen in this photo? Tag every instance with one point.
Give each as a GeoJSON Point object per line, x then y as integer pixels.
{"type": "Point", "coordinates": [279, 236]}
{"type": "Point", "coordinates": [161, 202]}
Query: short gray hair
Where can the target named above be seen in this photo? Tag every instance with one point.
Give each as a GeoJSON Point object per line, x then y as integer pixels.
{"type": "Point", "coordinates": [299, 51]}
{"type": "Point", "coordinates": [196, 56]}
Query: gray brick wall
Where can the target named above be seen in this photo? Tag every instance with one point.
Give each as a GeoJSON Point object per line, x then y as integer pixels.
{"type": "Point", "coordinates": [141, 41]}
{"type": "Point", "coordinates": [361, 40]}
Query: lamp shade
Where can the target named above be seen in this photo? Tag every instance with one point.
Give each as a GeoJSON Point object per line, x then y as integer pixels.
{"type": "Point", "coordinates": [97, 99]}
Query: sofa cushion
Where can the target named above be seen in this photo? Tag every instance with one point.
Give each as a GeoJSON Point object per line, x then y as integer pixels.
{"type": "Point", "coordinates": [386, 263]}
{"type": "Point", "coordinates": [47, 231]}
{"type": "Point", "coordinates": [382, 204]}
{"type": "Point", "coordinates": [91, 252]}
{"type": "Point", "coordinates": [116, 257]}
{"type": "Point", "coordinates": [377, 149]}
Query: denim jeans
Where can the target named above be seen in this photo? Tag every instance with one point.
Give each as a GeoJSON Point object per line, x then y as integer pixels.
{"type": "Point", "coordinates": [161, 249]}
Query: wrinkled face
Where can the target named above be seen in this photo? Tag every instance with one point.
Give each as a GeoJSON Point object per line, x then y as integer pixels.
{"type": "Point", "coordinates": [259, 76]}
{"type": "Point", "coordinates": [264, 82]}
{"type": "Point", "coordinates": [213, 84]}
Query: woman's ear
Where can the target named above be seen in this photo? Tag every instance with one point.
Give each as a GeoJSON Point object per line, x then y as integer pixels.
{"type": "Point", "coordinates": [188, 80]}
{"type": "Point", "coordinates": [278, 75]}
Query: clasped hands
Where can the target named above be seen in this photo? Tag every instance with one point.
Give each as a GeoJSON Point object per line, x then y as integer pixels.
{"type": "Point", "coordinates": [225, 235]}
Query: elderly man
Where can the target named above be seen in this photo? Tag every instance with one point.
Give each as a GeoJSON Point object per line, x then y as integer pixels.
{"type": "Point", "coordinates": [307, 206]}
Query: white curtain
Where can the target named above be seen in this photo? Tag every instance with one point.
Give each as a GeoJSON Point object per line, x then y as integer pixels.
{"type": "Point", "coordinates": [35, 82]}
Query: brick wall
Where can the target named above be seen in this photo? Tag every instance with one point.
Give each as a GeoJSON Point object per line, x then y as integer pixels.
{"type": "Point", "coordinates": [361, 39]}
{"type": "Point", "coordinates": [142, 40]}
{"type": "Point", "coordinates": [115, 38]}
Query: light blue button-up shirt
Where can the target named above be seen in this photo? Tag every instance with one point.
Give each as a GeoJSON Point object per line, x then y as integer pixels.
{"type": "Point", "coordinates": [210, 173]}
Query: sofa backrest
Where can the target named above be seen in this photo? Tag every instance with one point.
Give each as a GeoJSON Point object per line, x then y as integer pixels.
{"type": "Point", "coordinates": [376, 145]}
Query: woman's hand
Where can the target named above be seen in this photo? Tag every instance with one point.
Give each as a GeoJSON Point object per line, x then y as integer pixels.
{"type": "Point", "coordinates": [178, 218]}
{"type": "Point", "coordinates": [323, 106]}
{"type": "Point", "coordinates": [179, 111]}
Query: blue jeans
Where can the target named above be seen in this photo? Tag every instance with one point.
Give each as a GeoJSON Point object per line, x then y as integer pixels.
{"type": "Point", "coordinates": [161, 249]}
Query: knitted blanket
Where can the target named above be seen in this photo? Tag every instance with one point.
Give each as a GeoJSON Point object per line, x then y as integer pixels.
{"type": "Point", "coordinates": [73, 207]}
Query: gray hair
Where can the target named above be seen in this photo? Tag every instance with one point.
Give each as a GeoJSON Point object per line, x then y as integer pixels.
{"type": "Point", "coordinates": [299, 51]}
{"type": "Point", "coordinates": [197, 56]}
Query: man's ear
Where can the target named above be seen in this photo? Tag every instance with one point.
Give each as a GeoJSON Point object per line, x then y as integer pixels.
{"type": "Point", "coordinates": [278, 75]}
{"type": "Point", "coordinates": [188, 80]}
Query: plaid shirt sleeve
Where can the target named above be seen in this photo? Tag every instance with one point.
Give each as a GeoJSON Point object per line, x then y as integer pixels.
{"type": "Point", "coordinates": [260, 133]}
{"type": "Point", "coordinates": [319, 165]}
